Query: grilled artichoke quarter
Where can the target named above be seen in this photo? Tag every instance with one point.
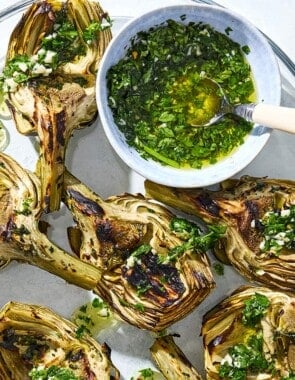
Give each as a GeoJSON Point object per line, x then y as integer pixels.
{"type": "Point", "coordinates": [171, 361]}
{"type": "Point", "coordinates": [260, 217]}
{"type": "Point", "coordinates": [152, 276]}
{"type": "Point", "coordinates": [250, 335]}
{"type": "Point", "coordinates": [20, 236]}
{"type": "Point", "coordinates": [36, 341]}
{"type": "Point", "coordinates": [52, 58]}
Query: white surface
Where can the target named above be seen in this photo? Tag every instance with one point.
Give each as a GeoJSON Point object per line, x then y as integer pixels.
{"type": "Point", "coordinates": [91, 158]}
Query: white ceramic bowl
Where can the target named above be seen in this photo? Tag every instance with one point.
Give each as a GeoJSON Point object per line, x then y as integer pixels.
{"type": "Point", "coordinates": [266, 76]}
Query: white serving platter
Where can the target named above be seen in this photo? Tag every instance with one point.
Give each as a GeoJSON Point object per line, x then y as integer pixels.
{"type": "Point", "coordinates": [93, 161]}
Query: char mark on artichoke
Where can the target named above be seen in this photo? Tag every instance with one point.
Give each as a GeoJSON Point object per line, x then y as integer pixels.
{"type": "Point", "coordinates": [130, 240]}
{"type": "Point", "coordinates": [160, 282]}
{"type": "Point", "coordinates": [34, 338]}
{"type": "Point", "coordinates": [124, 246]}
{"type": "Point", "coordinates": [260, 229]}
{"type": "Point", "coordinates": [54, 89]}
{"type": "Point", "coordinates": [250, 334]}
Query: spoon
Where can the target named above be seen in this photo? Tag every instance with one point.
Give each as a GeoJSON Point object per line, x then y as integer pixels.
{"type": "Point", "coordinates": [276, 117]}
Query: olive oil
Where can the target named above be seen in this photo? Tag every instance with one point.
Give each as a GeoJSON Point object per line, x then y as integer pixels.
{"type": "Point", "coordinates": [199, 98]}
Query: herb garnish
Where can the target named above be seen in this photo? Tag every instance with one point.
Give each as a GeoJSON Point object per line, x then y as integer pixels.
{"type": "Point", "coordinates": [147, 374]}
{"type": "Point", "coordinates": [246, 358]}
{"type": "Point", "coordinates": [291, 376]}
{"type": "Point", "coordinates": [149, 98]}
{"type": "Point", "coordinates": [219, 268]}
{"type": "Point", "coordinates": [195, 239]}
{"type": "Point", "coordinates": [26, 207]}
{"type": "Point", "coordinates": [53, 373]}
{"type": "Point", "coordinates": [90, 33]}
{"type": "Point", "coordinates": [92, 317]}
{"type": "Point", "coordinates": [152, 272]}
{"type": "Point", "coordinates": [62, 45]}
{"type": "Point", "coordinates": [249, 357]}
{"type": "Point", "coordinates": [278, 230]}
{"type": "Point", "coordinates": [254, 310]}
{"type": "Point", "coordinates": [21, 230]}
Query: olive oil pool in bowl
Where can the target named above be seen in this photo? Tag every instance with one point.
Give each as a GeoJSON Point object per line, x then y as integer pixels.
{"type": "Point", "coordinates": [149, 93]}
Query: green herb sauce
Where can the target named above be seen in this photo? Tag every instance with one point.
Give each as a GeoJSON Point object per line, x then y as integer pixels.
{"type": "Point", "coordinates": [154, 96]}
{"type": "Point", "coordinates": [93, 317]}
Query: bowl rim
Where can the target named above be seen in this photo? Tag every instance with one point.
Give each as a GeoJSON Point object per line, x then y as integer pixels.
{"type": "Point", "coordinates": [152, 170]}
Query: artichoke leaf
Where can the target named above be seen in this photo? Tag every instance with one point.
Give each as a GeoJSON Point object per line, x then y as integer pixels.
{"type": "Point", "coordinates": [171, 361]}
{"type": "Point", "coordinates": [241, 204]}
{"type": "Point", "coordinates": [33, 337]}
{"type": "Point", "coordinates": [20, 236]}
{"type": "Point", "coordinates": [223, 329]}
{"type": "Point", "coordinates": [129, 237]}
{"type": "Point", "coordinates": [52, 105]}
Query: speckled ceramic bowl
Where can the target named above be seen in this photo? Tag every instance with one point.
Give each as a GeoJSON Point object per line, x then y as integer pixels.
{"type": "Point", "coordinates": [266, 76]}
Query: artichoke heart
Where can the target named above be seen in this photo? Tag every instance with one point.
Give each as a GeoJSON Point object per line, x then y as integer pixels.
{"type": "Point", "coordinates": [123, 243]}
{"type": "Point", "coordinates": [34, 340]}
{"type": "Point", "coordinates": [129, 238]}
{"type": "Point", "coordinates": [21, 238]}
{"type": "Point", "coordinates": [258, 212]}
{"type": "Point", "coordinates": [250, 335]}
{"type": "Point", "coordinates": [49, 79]}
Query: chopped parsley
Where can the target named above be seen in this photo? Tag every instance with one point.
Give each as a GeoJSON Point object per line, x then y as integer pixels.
{"type": "Point", "coordinates": [254, 310]}
{"type": "Point", "coordinates": [228, 30]}
{"type": "Point", "coordinates": [22, 230]}
{"type": "Point", "coordinates": [63, 44]}
{"type": "Point", "coordinates": [92, 317]}
{"type": "Point", "coordinates": [147, 374]}
{"type": "Point", "coordinates": [246, 359]}
{"type": "Point", "coordinates": [194, 238]}
{"type": "Point", "coordinates": [81, 330]}
{"type": "Point", "coordinates": [139, 306]}
{"type": "Point", "coordinates": [278, 230]}
{"type": "Point", "coordinates": [90, 33]}
{"type": "Point", "coordinates": [152, 272]}
{"type": "Point", "coordinates": [246, 49]}
{"type": "Point", "coordinates": [53, 373]}
{"type": "Point", "coordinates": [291, 376]}
{"type": "Point", "coordinates": [153, 91]}
{"type": "Point", "coordinates": [26, 207]}
{"type": "Point", "coordinates": [218, 268]}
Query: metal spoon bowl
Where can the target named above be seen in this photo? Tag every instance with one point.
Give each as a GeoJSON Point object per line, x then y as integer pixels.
{"type": "Point", "coordinates": [275, 117]}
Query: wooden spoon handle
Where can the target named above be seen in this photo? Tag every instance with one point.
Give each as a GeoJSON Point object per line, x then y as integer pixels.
{"type": "Point", "coordinates": [276, 117]}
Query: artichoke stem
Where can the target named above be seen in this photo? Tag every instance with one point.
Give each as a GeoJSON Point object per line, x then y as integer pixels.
{"type": "Point", "coordinates": [60, 263]}
{"type": "Point", "coordinates": [171, 360]}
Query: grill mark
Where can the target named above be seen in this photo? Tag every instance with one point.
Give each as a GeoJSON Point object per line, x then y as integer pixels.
{"type": "Point", "coordinates": [208, 204]}
{"type": "Point", "coordinates": [86, 205]}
